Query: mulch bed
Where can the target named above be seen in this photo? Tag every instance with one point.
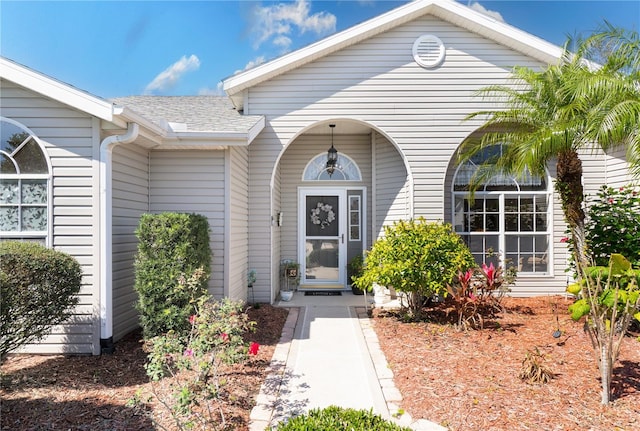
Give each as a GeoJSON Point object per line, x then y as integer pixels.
{"type": "Point", "coordinates": [59, 392]}
{"type": "Point", "coordinates": [462, 380]}
{"type": "Point", "coordinates": [470, 380]}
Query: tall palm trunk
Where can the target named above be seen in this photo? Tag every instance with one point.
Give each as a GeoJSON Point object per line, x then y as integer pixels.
{"type": "Point", "coordinates": [569, 187]}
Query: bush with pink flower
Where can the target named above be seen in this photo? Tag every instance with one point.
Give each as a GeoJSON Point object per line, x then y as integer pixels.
{"type": "Point", "coordinates": [613, 225]}
{"type": "Point", "coordinates": [217, 337]}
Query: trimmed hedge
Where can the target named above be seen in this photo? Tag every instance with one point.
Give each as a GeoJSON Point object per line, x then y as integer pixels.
{"type": "Point", "coordinates": [172, 270]}
{"type": "Point", "coordinates": [335, 418]}
{"type": "Point", "coordinates": [38, 290]}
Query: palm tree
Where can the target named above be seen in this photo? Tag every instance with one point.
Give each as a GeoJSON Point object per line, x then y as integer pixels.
{"type": "Point", "coordinates": [611, 94]}
{"type": "Point", "coordinates": [553, 114]}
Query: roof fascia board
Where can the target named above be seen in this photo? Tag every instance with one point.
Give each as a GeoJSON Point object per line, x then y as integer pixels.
{"type": "Point", "coordinates": [501, 32]}
{"type": "Point", "coordinates": [255, 130]}
{"type": "Point", "coordinates": [56, 90]}
{"type": "Point", "coordinates": [448, 10]}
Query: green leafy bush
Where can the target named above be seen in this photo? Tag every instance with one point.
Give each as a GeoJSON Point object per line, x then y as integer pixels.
{"type": "Point", "coordinates": [38, 290]}
{"type": "Point", "coordinates": [172, 269]}
{"type": "Point", "coordinates": [613, 225]}
{"type": "Point", "coordinates": [216, 336]}
{"type": "Point", "coordinates": [416, 257]}
{"type": "Point", "coordinates": [335, 418]}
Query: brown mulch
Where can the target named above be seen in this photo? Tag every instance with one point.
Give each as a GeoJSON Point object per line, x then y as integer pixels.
{"type": "Point", "coordinates": [462, 380]}
{"type": "Point", "coordinates": [470, 380]}
{"type": "Point", "coordinates": [93, 392]}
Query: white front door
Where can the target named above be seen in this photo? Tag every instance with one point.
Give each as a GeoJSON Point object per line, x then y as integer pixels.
{"type": "Point", "coordinates": [321, 238]}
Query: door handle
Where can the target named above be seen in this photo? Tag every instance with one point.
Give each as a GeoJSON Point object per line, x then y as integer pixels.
{"type": "Point", "coordinates": [343, 238]}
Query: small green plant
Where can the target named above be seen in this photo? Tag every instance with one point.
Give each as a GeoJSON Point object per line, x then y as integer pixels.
{"type": "Point", "coordinates": [534, 369]}
{"type": "Point", "coordinates": [354, 270]}
{"type": "Point", "coordinates": [335, 418]}
{"type": "Point", "coordinates": [418, 258]}
{"type": "Point", "coordinates": [609, 297]}
{"type": "Point", "coordinates": [172, 270]}
{"type": "Point", "coordinates": [216, 337]}
{"type": "Point", "coordinates": [38, 289]}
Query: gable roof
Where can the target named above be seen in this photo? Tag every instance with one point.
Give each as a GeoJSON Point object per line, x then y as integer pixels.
{"type": "Point", "coordinates": [169, 119]}
{"type": "Point", "coordinates": [448, 10]}
{"type": "Point", "coordinates": [56, 90]}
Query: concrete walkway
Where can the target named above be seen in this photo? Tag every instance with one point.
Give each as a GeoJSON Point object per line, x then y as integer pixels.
{"type": "Point", "coordinates": [329, 355]}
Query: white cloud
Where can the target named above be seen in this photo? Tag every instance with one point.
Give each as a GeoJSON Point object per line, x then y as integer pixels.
{"type": "Point", "coordinates": [218, 91]}
{"type": "Point", "coordinates": [490, 13]}
{"type": "Point", "coordinates": [172, 74]}
{"type": "Point", "coordinates": [278, 21]}
{"type": "Point", "coordinates": [250, 65]}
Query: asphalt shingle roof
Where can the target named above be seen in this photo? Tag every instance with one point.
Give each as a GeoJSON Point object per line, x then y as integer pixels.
{"type": "Point", "coordinates": [199, 113]}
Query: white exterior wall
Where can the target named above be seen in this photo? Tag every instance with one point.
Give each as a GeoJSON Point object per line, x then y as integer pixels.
{"type": "Point", "coordinates": [378, 82]}
{"type": "Point", "coordinates": [238, 223]}
{"type": "Point", "coordinates": [618, 173]}
{"type": "Point", "coordinates": [130, 185]}
{"type": "Point", "coordinates": [72, 141]}
{"type": "Point", "coordinates": [391, 187]}
{"type": "Point", "coordinates": [193, 181]}
{"type": "Point", "coordinates": [264, 236]}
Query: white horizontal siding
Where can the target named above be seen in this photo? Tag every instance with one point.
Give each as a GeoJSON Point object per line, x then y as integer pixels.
{"type": "Point", "coordinates": [237, 268]}
{"type": "Point", "coordinates": [193, 182]}
{"type": "Point", "coordinates": [71, 140]}
{"type": "Point", "coordinates": [377, 82]}
{"type": "Point", "coordinates": [618, 173]}
{"type": "Point", "coordinates": [130, 188]}
{"type": "Point", "coordinates": [392, 199]}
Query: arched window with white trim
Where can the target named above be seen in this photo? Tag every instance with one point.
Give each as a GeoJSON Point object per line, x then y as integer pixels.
{"type": "Point", "coordinates": [25, 195]}
{"type": "Point", "coordinates": [346, 169]}
{"type": "Point", "coordinates": [509, 218]}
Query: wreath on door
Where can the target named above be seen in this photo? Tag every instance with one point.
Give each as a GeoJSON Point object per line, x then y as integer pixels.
{"type": "Point", "coordinates": [322, 215]}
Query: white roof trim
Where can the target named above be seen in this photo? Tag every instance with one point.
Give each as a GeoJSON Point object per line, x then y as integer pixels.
{"type": "Point", "coordinates": [447, 10]}
{"type": "Point", "coordinates": [212, 139]}
{"type": "Point", "coordinates": [56, 90]}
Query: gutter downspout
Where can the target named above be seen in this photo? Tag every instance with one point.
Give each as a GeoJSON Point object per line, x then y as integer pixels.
{"type": "Point", "coordinates": [106, 257]}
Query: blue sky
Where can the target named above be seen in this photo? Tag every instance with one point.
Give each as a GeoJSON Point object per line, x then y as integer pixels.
{"type": "Point", "coordinates": [121, 48]}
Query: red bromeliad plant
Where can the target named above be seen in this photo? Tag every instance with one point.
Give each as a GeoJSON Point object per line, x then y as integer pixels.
{"type": "Point", "coordinates": [477, 294]}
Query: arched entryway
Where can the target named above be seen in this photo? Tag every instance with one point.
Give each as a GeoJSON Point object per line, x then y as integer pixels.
{"type": "Point", "coordinates": [325, 220]}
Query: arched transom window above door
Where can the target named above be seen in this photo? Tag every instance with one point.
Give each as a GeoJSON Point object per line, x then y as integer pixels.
{"type": "Point", "coordinates": [509, 218]}
{"type": "Point", "coordinates": [346, 169]}
{"type": "Point", "coordinates": [25, 195]}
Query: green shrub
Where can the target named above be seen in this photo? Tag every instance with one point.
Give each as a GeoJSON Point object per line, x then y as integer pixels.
{"type": "Point", "coordinates": [613, 225]}
{"type": "Point", "coordinates": [335, 418]}
{"type": "Point", "coordinates": [416, 257]}
{"type": "Point", "coordinates": [172, 269]}
{"type": "Point", "coordinates": [38, 290]}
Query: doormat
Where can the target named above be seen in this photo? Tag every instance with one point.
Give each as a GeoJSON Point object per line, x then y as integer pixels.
{"type": "Point", "coordinates": [322, 293]}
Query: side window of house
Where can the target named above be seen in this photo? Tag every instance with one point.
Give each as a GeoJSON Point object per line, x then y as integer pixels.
{"type": "Point", "coordinates": [507, 221]}
{"type": "Point", "coordinates": [24, 185]}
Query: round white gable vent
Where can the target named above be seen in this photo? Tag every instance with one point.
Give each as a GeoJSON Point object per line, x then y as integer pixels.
{"type": "Point", "coordinates": [428, 51]}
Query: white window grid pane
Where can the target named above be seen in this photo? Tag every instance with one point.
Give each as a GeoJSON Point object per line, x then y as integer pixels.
{"type": "Point", "coordinates": [354, 214]}
{"type": "Point", "coordinates": [474, 227]}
